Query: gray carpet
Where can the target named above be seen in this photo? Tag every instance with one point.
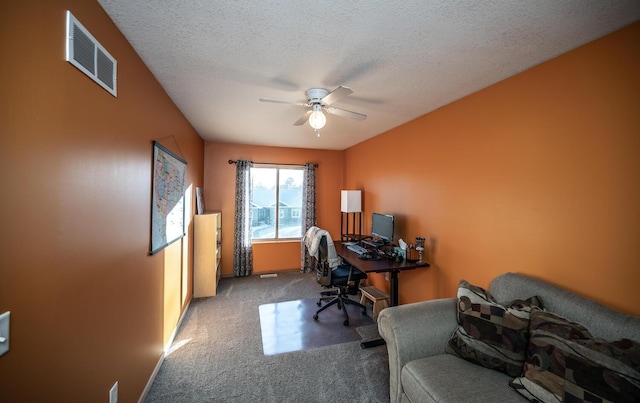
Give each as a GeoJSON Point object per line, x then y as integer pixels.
{"type": "Point", "coordinates": [217, 355]}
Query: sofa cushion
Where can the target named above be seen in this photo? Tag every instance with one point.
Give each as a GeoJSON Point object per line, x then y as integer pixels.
{"type": "Point", "coordinates": [490, 334]}
{"type": "Point", "coordinates": [566, 363]}
{"type": "Point", "coordinates": [447, 378]}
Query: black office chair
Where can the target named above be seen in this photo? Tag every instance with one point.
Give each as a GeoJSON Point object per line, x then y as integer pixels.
{"type": "Point", "coordinates": [344, 279]}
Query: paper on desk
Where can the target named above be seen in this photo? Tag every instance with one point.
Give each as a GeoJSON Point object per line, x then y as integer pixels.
{"type": "Point", "coordinates": [403, 244]}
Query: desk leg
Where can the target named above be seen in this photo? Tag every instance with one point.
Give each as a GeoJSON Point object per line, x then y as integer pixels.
{"type": "Point", "coordinates": [394, 289]}
{"type": "Point", "coordinates": [394, 302]}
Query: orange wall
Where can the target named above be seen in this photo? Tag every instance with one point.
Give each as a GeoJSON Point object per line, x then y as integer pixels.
{"type": "Point", "coordinates": [89, 306]}
{"type": "Point", "coordinates": [538, 174]}
{"type": "Point", "coordinates": [219, 195]}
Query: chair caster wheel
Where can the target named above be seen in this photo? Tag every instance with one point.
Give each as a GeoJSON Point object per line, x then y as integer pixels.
{"type": "Point", "coordinates": [346, 323]}
{"type": "Point", "coordinates": [315, 317]}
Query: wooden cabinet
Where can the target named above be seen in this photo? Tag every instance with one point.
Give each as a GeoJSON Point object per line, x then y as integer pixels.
{"type": "Point", "coordinates": [206, 254]}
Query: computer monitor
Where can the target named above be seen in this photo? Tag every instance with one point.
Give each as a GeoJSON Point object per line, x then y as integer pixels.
{"type": "Point", "coordinates": [382, 226]}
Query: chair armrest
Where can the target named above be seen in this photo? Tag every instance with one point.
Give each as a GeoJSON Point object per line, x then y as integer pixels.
{"type": "Point", "coordinates": [414, 331]}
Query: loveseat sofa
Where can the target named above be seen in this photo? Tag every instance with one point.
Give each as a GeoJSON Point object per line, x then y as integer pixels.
{"type": "Point", "coordinates": [418, 334]}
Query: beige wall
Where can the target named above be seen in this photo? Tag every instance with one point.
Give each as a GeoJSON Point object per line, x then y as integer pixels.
{"type": "Point", "coordinates": [89, 305]}
{"type": "Point", "coordinates": [538, 174]}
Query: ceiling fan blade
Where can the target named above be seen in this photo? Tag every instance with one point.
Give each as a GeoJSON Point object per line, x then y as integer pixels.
{"type": "Point", "coordinates": [303, 119]}
{"type": "Point", "coordinates": [336, 95]}
{"type": "Point", "coordinates": [345, 113]}
{"type": "Point", "coordinates": [279, 101]}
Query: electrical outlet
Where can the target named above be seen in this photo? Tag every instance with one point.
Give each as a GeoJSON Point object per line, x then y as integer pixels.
{"type": "Point", "coordinates": [113, 393]}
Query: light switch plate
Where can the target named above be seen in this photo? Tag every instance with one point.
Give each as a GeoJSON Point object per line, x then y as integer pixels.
{"type": "Point", "coordinates": [113, 393]}
{"type": "Point", "coordinates": [4, 332]}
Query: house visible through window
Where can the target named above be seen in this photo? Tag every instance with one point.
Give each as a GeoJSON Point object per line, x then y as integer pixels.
{"type": "Point", "coordinates": [277, 202]}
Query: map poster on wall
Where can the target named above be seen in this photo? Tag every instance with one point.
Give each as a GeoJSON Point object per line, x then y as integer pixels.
{"type": "Point", "coordinates": [168, 198]}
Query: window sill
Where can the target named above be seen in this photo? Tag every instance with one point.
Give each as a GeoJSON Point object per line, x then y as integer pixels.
{"type": "Point", "coordinates": [265, 241]}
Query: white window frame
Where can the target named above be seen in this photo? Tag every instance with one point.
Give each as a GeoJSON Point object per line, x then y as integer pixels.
{"type": "Point", "coordinates": [280, 212]}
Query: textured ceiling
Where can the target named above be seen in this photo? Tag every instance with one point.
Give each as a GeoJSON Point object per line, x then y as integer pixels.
{"type": "Point", "coordinates": [402, 59]}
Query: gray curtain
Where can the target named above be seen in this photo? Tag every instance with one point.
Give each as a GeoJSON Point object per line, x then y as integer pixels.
{"type": "Point", "coordinates": [308, 213]}
{"type": "Point", "coordinates": [242, 250]}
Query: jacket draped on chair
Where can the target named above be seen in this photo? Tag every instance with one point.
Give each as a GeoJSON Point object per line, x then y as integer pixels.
{"type": "Point", "coordinates": [312, 242]}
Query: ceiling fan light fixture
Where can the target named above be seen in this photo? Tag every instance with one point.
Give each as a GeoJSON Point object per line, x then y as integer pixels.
{"type": "Point", "coordinates": [317, 100]}
{"type": "Point", "coordinates": [317, 120]}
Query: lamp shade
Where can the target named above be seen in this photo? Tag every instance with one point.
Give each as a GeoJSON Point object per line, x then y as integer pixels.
{"type": "Point", "coordinates": [351, 201]}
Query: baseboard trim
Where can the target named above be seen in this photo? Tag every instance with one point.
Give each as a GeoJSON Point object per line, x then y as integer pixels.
{"type": "Point", "coordinates": [151, 379]}
{"type": "Point", "coordinates": [163, 355]}
{"type": "Point", "coordinates": [279, 271]}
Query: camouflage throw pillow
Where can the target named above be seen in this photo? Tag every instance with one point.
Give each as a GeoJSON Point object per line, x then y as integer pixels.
{"type": "Point", "coordinates": [490, 334]}
{"type": "Point", "coordinates": [566, 363]}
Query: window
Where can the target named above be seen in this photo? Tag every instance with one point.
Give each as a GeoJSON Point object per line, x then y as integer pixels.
{"type": "Point", "coordinates": [277, 202]}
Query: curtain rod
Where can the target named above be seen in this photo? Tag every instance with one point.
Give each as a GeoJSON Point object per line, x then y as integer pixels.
{"type": "Point", "coordinates": [275, 163]}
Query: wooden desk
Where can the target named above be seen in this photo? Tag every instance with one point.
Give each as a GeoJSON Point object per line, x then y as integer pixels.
{"type": "Point", "coordinates": [382, 265]}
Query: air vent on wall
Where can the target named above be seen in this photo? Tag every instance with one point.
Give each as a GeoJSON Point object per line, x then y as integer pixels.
{"type": "Point", "coordinates": [86, 53]}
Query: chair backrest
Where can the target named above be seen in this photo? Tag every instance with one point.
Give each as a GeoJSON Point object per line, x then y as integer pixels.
{"type": "Point", "coordinates": [323, 272]}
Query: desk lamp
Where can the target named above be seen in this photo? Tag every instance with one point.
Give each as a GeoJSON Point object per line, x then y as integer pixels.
{"type": "Point", "coordinates": [351, 203]}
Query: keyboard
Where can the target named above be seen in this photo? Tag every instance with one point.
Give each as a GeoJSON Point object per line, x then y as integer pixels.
{"type": "Point", "coordinates": [357, 249]}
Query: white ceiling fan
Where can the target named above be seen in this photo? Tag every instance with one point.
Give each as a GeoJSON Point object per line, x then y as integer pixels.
{"type": "Point", "coordinates": [319, 100]}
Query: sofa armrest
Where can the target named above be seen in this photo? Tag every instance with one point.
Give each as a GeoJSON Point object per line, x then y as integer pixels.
{"type": "Point", "coordinates": [414, 331]}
